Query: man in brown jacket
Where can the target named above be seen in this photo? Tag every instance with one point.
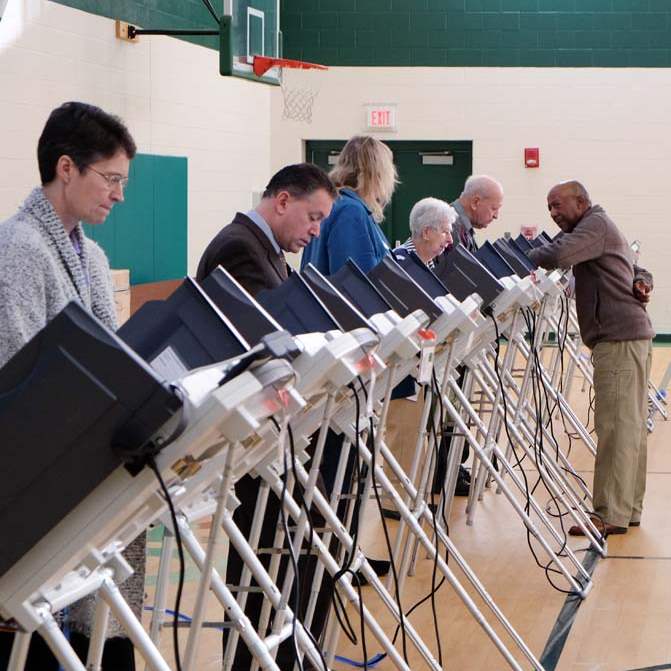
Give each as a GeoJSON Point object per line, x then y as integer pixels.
{"type": "Point", "coordinates": [610, 297]}
{"type": "Point", "coordinates": [252, 246]}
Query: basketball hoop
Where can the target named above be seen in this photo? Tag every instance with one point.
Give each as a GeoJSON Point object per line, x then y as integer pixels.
{"type": "Point", "coordinates": [298, 82]}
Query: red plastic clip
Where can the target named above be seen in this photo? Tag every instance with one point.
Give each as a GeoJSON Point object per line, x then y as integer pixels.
{"type": "Point", "coordinates": [283, 395]}
{"type": "Point", "coordinates": [366, 363]}
{"type": "Point", "coordinates": [426, 334]}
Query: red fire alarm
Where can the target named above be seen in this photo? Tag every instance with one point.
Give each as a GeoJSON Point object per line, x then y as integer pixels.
{"type": "Point", "coordinates": [532, 157]}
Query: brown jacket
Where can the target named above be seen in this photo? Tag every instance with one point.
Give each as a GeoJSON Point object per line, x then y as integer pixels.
{"type": "Point", "coordinates": [604, 279]}
{"type": "Point", "coordinates": [245, 251]}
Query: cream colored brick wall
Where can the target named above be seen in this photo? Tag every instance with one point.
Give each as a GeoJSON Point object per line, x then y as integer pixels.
{"type": "Point", "coordinates": [610, 128]}
{"type": "Point", "coordinates": [168, 91]}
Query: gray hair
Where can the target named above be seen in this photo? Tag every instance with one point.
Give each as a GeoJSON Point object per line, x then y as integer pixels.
{"type": "Point", "coordinates": [481, 185]}
{"type": "Point", "coordinates": [431, 213]}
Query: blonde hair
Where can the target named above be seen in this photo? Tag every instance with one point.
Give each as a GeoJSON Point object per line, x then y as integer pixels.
{"type": "Point", "coordinates": [367, 165]}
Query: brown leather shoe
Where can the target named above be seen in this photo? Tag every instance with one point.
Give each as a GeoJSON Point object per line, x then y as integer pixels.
{"type": "Point", "coordinates": [604, 529]}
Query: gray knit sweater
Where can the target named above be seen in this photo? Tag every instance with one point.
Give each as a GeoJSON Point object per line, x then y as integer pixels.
{"type": "Point", "coordinates": [40, 272]}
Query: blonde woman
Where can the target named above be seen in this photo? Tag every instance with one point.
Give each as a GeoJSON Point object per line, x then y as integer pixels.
{"type": "Point", "coordinates": [365, 176]}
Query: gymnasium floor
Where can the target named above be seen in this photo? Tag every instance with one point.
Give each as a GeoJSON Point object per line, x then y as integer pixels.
{"type": "Point", "coordinates": [623, 625]}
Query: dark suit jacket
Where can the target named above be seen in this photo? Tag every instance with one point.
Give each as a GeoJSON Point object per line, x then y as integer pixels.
{"type": "Point", "coordinates": [460, 236]}
{"type": "Point", "coordinates": [462, 231]}
{"type": "Point", "coordinates": [244, 250]}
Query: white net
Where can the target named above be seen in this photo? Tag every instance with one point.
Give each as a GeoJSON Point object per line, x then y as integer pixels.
{"type": "Point", "coordinates": [300, 88]}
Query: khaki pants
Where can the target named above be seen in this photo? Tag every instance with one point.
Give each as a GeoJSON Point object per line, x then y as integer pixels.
{"type": "Point", "coordinates": [621, 372]}
{"type": "Point", "coordinates": [402, 430]}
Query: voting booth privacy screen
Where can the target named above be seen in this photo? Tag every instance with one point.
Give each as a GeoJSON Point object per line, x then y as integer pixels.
{"type": "Point", "coordinates": [73, 402]}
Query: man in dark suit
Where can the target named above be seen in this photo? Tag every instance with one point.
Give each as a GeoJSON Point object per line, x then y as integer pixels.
{"type": "Point", "coordinates": [252, 246]}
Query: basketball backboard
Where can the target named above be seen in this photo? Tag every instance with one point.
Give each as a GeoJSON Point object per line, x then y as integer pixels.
{"type": "Point", "coordinates": [250, 28]}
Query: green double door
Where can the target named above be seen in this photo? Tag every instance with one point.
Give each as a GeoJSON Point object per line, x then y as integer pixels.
{"type": "Point", "coordinates": [425, 168]}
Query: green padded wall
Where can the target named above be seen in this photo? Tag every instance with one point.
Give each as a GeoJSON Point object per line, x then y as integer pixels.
{"type": "Point", "coordinates": [492, 33]}
{"type": "Point", "coordinates": [170, 14]}
{"type": "Point", "coordinates": [147, 233]}
{"type": "Point", "coordinates": [532, 33]}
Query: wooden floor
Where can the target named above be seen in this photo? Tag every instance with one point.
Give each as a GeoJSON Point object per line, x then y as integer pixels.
{"type": "Point", "coordinates": [624, 624]}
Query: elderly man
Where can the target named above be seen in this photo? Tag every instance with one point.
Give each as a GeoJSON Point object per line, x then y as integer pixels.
{"type": "Point", "coordinates": [477, 207]}
{"type": "Point", "coordinates": [529, 232]}
{"type": "Point", "coordinates": [610, 299]}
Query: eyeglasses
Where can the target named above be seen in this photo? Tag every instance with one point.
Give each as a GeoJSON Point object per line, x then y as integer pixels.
{"type": "Point", "coordinates": [112, 180]}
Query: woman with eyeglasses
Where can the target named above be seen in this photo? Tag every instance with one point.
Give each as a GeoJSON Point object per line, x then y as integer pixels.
{"type": "Point", "coordinates": [46, 261]}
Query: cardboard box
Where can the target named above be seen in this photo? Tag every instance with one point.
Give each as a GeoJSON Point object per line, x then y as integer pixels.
{"type": "Point", "coordinates": [121, 284]}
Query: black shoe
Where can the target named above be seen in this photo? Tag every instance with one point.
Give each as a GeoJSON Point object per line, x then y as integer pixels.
{"type": "Point", "coordinates": [380, 567]}
{"type": "Point", "coordinates": [465, 474]}
{"type": "Point", "coordinates": [391, 514]}
{"type": "Point", "coordinates": [463, 487]}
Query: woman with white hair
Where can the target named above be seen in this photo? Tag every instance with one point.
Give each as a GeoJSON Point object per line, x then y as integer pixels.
{"type": "Point", "coordinates": [365, 177]}
{"type": "Point", "coordinates": [431, 223]}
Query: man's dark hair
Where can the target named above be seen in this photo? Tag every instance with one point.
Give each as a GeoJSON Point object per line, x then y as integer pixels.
{"type": "Point", "coordinates": [84, 133]}
{"type": "Point", "coordinates": [300, 180]}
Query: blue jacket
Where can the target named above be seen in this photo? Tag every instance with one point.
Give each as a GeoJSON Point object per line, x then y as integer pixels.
{"type": "Point", "coordinates": [348, 232]}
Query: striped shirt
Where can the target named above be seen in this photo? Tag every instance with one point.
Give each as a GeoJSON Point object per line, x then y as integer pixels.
{"type": "Point", "coordinates": [410, 246]}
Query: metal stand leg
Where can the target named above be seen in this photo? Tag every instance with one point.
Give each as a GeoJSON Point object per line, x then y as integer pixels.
{"type": "Point", "coordinates": [19, 656]}
{"type": "Point", "coordinates": [206, 572]}
{"type": "Point", "coordinates": [96, 645]}
{"type": "Point", "coordinates": [253, 641]}
{"type": "Point", "coordinates": [161, 594]}
{"type": "Point", "coordinates": [59, 645]}
{"type": "Point", "coordinates": [246, 575]}
{"type": "Point", "coordinates": [122, 611]}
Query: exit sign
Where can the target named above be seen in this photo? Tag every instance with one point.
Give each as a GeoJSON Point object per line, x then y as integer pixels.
{"type": "Point", "coordinates": [381, 117]}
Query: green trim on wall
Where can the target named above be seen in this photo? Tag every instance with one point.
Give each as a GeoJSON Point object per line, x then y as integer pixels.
{"type": "Point", "coordinates": [147, 233]}
{"type": "Point", "coordinates": [492, 33]}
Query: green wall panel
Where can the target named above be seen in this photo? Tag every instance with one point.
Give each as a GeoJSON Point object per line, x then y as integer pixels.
{"type": "Point", "coordinates": [147, 233]}
{"type": "Point", "coordinates": [169, 14]}
{"type": "Point", "coordinates": [533, 33]}
{"type": "Point", "coordinates": [530, 33]}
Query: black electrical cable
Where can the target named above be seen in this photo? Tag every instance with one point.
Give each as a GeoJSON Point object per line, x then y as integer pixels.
{"type": "Point", "coordinates": [180, 552]}
{"type": "Point", "coordinates": [562, 335]}
{"type": "Point", "coordinates": [538, 371]}
{"type": "Point", "coordinates": [397, 594]}
{"type": "Point", "coordinates": [539, 389]}
{"type": "Point", "coordinates": [371, 442]}
{"type": "Point", "coordinates": [546, 568]}
{"type": "Point", "coordinates": [338, 607]}
{"type": "Point", "coordinates": [434, 587]}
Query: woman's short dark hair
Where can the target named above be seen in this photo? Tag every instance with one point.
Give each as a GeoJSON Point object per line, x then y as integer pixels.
{"type": "Point", "coordinates": [300, 179]}
{"type": "Point", "coordinates": [83, 132]}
